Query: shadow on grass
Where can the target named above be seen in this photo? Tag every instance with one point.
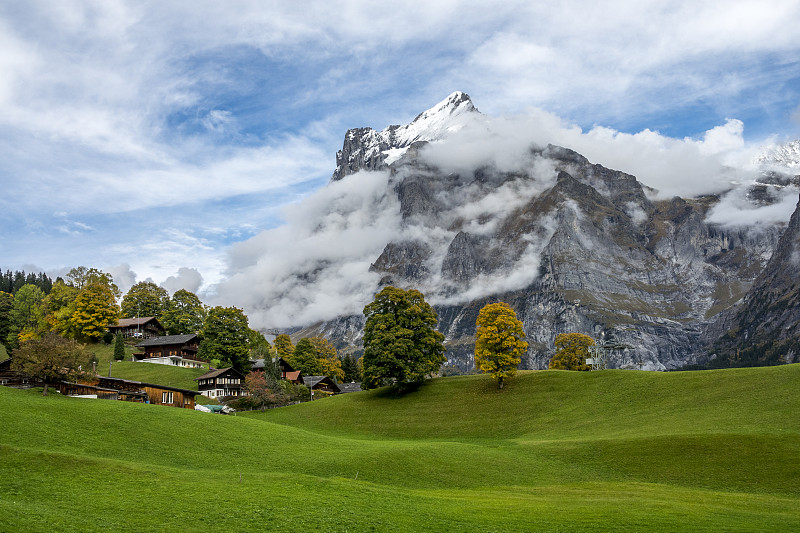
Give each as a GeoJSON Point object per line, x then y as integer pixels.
{"type": "Point", "coordinates": [398, 391]}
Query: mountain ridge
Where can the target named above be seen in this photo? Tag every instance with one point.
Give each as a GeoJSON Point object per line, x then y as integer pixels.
{"type": "Point", "coordinates": [571, 245]}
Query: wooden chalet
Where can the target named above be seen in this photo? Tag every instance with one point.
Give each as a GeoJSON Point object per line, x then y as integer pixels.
{"type": "Point", "coordinates": [12, 378]}
{"type": "Point", "coordinates": [221, 383]}
{"type": "Point", "coordinates": [176, 350]}
{"type": "Point", "coordinates": [321, 383]}
{"type": "Point", "coordinates": [143, 327]}
{"type": "Point", "coordinates": [150, 392]}
{"type": "Point", "coordinates": [287, 371]}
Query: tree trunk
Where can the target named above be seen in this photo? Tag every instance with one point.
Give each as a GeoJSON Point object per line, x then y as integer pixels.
{"type": "Point", "coordinates": [500, 381]}
{"type": "Point", "coordinates": [44, 391]}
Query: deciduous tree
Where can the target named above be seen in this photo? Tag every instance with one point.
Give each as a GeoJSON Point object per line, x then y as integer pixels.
{"type": "Point", "coordinates": [326, 353]}
{"type": "Point", "coordinates": [401, 344]}
{"type": "Point", "coordinates": [184, 314]}
{"type": "Point", "coordinates": [498, 341]}
{"type": "Point", "coordinates": [59, 306]}
{"type": "Point", "coordinates": [572, 349]}
{"type": "Point", "coordinates": [95, 308]}
{"type": "Point", "coordinates": [145, 299]}
{"type": "Point", "coordinates": [225, 337]}
{"type": "Point", "coordinates": [51, 358]}
{"type": "Point", "coordinates": [283, 346]}
{"type": "Point", "coordinates": [27, 315]}
{"type": "Point", "coordinates": [304, 358]}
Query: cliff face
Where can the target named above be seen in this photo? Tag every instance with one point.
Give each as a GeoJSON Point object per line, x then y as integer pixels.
{"type": "Point", "coordinates": [571, 246]}
{"type": "Point", "coordinates": [765, 327]}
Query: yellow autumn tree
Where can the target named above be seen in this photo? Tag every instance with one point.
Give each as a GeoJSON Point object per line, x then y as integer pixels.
{"type": "Point", "coordinates": [498, 343]}
{"type": "Point", "coordinates": [572, 349]}
{"type": "Point", "coordinates": [326, 353]}
{"type": "Point", "coordinates": [94, 308]}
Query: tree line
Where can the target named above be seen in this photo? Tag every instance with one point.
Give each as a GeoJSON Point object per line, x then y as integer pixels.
{"type": "Point", "coordinates": [401, 344]}
{"type": "Point", "coordinates": [11, 282]}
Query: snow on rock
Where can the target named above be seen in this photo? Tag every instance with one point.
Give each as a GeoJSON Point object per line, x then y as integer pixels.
{"type": "Point", "coordinates": [367, 149]}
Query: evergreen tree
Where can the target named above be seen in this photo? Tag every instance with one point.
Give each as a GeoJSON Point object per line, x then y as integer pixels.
{"type": "Point", "coordinates": [352, 373]}
{"type": "Point", "coordinates": [6, 305]}
{"type": "Point", "coordinates": [119, 347]}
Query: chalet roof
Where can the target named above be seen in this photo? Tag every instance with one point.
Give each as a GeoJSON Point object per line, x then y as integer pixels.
{"type": "Point", "coordinates": [219, 372]}
{"type": "Point", "coordinates": [294, 375]}
{"type": "Point", "coordinates": [140, 321]}
{"type": "Point", "coordinates": [313, 381]}
{"type": "Point", "coordinates": [350, 387]}
{"type": "Point", "coordinates": [167, 340]}
{"type": "Point", "coordinates": [258, 364]}
{"type": "Point", "coordinates": [165, 387]}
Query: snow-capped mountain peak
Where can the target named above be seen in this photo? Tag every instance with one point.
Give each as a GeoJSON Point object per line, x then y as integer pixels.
{"type": "Point", "coordinates": [785, 155]}
{"type": "Point", "coordinates": [367, 149]}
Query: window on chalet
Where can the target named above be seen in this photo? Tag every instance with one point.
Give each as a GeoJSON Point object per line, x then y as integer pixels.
{"type": "Point", "coordinates": [166, 397]}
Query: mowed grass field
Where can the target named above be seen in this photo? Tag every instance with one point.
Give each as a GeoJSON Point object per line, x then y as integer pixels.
{"type": "Point", "coordinates": [553, 451]}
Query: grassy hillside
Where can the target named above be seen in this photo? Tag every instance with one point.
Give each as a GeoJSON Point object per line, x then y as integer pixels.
{"type": "Point", "coordinates": [554, 451]}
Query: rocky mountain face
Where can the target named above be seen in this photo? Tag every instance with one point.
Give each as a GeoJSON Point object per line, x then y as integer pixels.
{"type": "Point", "coordinates": [572, 247]}
{"type": "Point", "coordinates": [765, 327]}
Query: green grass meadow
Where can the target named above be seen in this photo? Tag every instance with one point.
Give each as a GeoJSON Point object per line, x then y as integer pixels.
{"type": "Point", "coordinates": [553, 451]}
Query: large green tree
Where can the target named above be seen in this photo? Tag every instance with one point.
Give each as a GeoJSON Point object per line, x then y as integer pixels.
{"type": "Point", "coordinates": [351, 369]}
{"type": "Point", "coordinates": [184, 314]}
{"type": "Point", "coordinates": [498, 341]}
{"type": "Point", "coordinates": [401, 344]}
{"type": "Point", "coordinates": [572, 349]}
{"type": "Point", "coordinates": [27, 315]}
{"type": "Point", "coordinates": [304, 358]}
{"type": "Point", "coordinates": [225, 337]}
{"type": "Point", "coordinates": [51, 358]}
{"type": "Point", "coordinates": [145, 299]}
{"type": "Point", "coordinates": [6, 305]}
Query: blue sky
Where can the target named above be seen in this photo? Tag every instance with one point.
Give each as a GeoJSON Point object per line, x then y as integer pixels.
{"type": "Point", "coordinates": [145, 138]}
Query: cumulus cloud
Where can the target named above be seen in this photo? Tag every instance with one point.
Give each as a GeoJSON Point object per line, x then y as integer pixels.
{"type": "Point", "coordinates": [188, 279]}
{"type": "Point", "coordinates": [123, 276]}
{"type": "Point", "coordinates": [735, 210]}
{"type": "Point", "coordinates": [317, 265]}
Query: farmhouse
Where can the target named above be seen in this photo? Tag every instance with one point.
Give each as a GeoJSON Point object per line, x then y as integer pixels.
{"type": "Point", "coordinates": [221, 383]}
{"type": "Point", "coordinates": [12, 378]}
{"type": "Point", "coordinates": [155, 394]}
{"type": "Point", "coordinates": [321, 383]}
{"type": "Point", "coordinates": [287, 371]}
{"type": "Point", "coordinates": [176, 350]}
{"type": "Point", "coordinates": [143, 327]}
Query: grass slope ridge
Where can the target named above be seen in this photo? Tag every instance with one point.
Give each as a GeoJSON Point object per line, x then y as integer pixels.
{"type": "Point", "coordinates": [704, 451]}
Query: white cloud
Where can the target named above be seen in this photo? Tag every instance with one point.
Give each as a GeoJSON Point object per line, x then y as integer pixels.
{"type": "Point", "coordinates": [188, 279]}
